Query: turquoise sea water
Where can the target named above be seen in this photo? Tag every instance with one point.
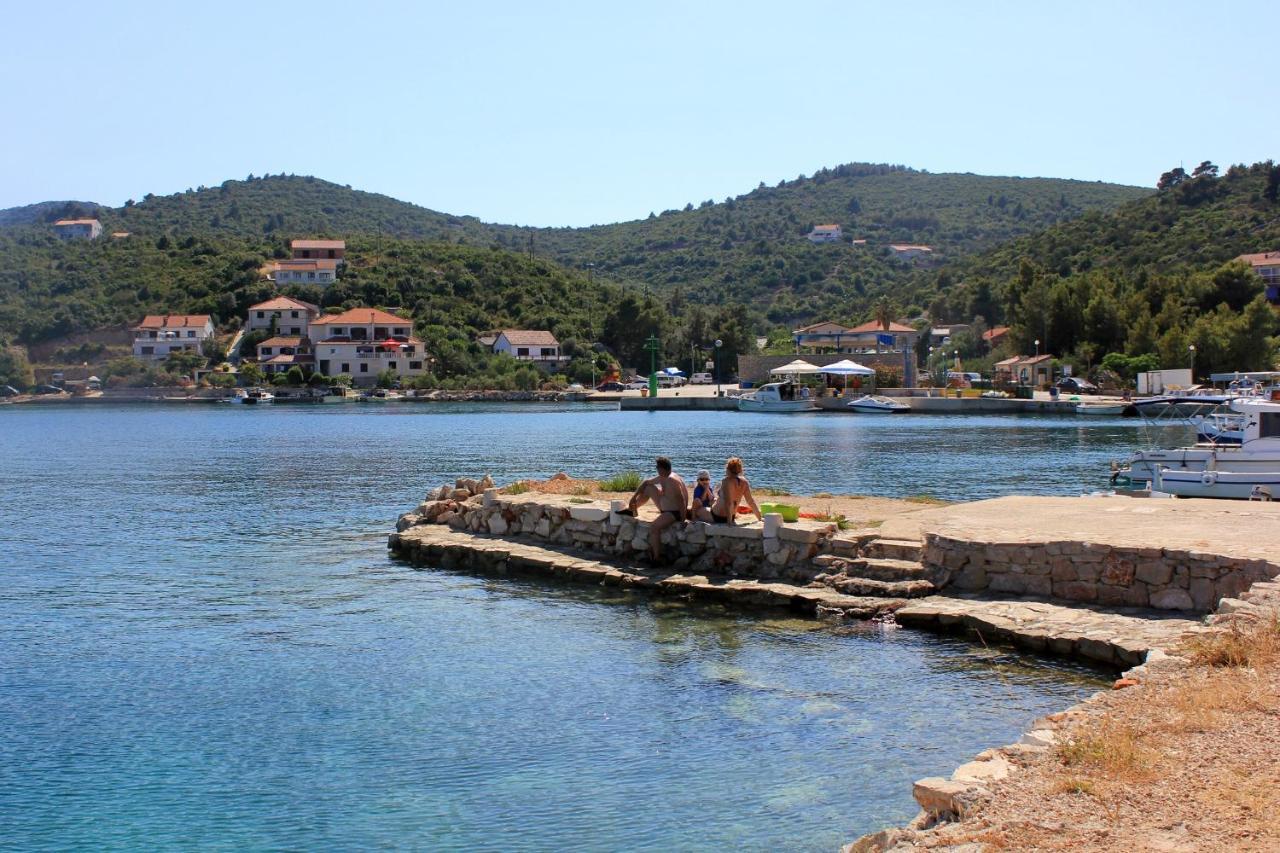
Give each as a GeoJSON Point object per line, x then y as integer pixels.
{"type": "Point", "coordinates": [204, 644]}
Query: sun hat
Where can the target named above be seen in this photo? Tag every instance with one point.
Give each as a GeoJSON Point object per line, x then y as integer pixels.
{"type": "Point", "coordinates": [704, 474]}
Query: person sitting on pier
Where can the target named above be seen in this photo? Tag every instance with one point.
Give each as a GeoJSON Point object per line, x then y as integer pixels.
{"type": "Point", "coordinates": [704, 497]}
{"type": "Point", "coordinates": [734, 489]}
{"type": "Point", "coordinates": [669, 495]}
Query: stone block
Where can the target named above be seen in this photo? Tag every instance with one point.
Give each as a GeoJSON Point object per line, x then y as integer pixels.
{"type": "Point", "coordinates": [1172, 599]}
{"type": "Point", "coordinates": [1137, 595]}
{"type": "Point", "coordinates": [1076, 591]}
{"type": "Point", "coordinates": [939, 796]}
{"type": "Point", "coordinates": [970, 579]}
{"type": "Point", "coordinates": [798, 534]}
{"type": "Point", "coordinates": [1111, 596]}
{"type": "Point", "coordinates": [1154, 572]}
{"type": "Point", "coordinates": [588, 513]}
{"type": "Point", "coordinates": [1061, 569]}
{"type": "Point", "coordinates": [986, 771]}
{"type": "Point", "coordinates": [733, 531]}
{"type": "Point", "coordinates": [1008, 583]}
{"type": "Point", "coordinates": [1202, 593]}
{"type": "Point", "coordinates": [1088, 572]}
{"type": "Point", "coordinates": [1038, 585]}
{"type": "Point", "coordinates": [497, 524]}
{"type": "Point", "coordinates": [1117, 571]}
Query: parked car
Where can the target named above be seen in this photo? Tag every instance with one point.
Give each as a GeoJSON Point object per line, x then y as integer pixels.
{"type": "Point", "coordinates": [1076, 385]}
{"type": "Point", "coordinates": [576, 386]}
{"type": "Point", "coordinates": [611, 386]}
{"type": "Point", "coordinates": [701, 379]}
{"type": "Point", "coordinates": [637, 384]}
{"type": "Point", "coordinates": [9, 391]}
{"type": "Point", "coordinates": [49, 389]}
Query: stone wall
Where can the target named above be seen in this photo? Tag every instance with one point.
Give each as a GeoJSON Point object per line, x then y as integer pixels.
{"type": "Point", "coordinates": [1163, 578]}
{"type": "Point", "coordinates": [767, 551]}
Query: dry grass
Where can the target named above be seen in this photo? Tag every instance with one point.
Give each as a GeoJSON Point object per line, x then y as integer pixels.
{"type": "Point", "coordinates": [770, 492]}
{"type": "Point", "coordinates": [926, 499]}
{"type": "Point", "coordinates": [1074, 785]}
{"type": "Point", "coordinates": [519, 487]}
{"type": "Point", "coordinates": [1209, 702]}
{"type": "Point", "coordinates": [1112, 748]}
{"type": "Point", "coordinates": [1248, 646]}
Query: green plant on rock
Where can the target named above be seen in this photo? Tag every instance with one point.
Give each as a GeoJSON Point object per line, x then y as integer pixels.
{"type": "Point", "coordinates": [626, 481]}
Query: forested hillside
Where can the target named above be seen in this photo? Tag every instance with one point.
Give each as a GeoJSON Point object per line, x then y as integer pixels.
{"type": "Point", "coordinates": [1150, 278]}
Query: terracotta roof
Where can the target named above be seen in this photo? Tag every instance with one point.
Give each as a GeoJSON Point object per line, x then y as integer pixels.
{"type": "Point", "coordinates": [905, 247]}
{"type": "Point", "coordinates": [826, 228]}
{"type": "Point", "coordinates": [361, 317]}
{"type": "Point", "coordinates": [996, 332]}
{"type": "Point", "coordinates": [874, 326]}
{"type": "Point", "coordinates": [284, 303]}
{"type": "Point", "coordinates": [528, 338]}
{"type": "Point", "coordinates": [819, 327]}
{"type": "Point", "coordinates": [300, 358]}
{"type": "Point", "coordinates": [318, 244]}
{"type": "Point", "coordinates": [173, 321]}
{"type": "Point", "coordinates": [1009, 362]}
{"type": "Point", "coordinates": [302, 264]}
{"type": "Point", "coordinates": [1261, 259]}
{"type": "Point", "coordinates": [119, 234]}
{"type": "Point", "coordinates": [282, 341]}
{"type": "Point", "coordinates": [76, 222]}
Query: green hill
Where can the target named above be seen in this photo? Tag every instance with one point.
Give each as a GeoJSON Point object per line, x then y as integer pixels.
{"type": "Point", "coordinates": [1151, 277]}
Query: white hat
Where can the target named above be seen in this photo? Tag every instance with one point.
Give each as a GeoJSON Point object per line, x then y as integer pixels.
{"type": "Point", "coordinates": [704, 474]}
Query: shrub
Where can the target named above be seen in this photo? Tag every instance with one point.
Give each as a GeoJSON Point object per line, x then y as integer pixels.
{"type": "Point", "coordinates": [519, 487]}
{"type": "Point", "coordinates": [626, 481]}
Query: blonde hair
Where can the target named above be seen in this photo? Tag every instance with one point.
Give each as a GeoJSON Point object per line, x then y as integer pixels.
{"type": "Point", "coordinates": [733, 467]}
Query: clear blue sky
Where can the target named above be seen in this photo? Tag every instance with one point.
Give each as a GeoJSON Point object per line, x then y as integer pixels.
{"type": "Point", "coordinates": [578, 113]}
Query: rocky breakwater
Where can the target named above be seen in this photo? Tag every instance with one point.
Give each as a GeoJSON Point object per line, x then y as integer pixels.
{"type": "Point", "coordinates": [500, 396]}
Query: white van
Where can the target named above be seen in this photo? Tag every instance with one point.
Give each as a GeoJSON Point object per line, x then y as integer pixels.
{"type": "Point", "coordinates": [701, 379]}
{"type": "Point", "coordinates": [666, 380]}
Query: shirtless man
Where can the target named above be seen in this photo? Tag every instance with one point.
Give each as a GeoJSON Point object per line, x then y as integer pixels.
{"type": "Point", "coordinates": [669, 495]}
{"type": "Point", "coordinates": [734, 489]}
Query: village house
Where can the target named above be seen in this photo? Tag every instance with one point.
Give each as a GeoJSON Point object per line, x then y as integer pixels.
{"type": "Point", "coordinates": [160, 334]}
{"type": "Point", "coordinates": [1033, 370]}
{"type": "Point", "coordinates": [825, 234]}
{"type": "Point", "coordinates": [315, 250]}
{"type": "Point", "coordinates": [278, 354]}
{"type": "Point", "coordinates": [869, 337]}
{"type": "Point", "coordinates": [908, 252]}
{"type": "Point", "coordinates": [1266, 265]}
{"type": "Point", "coordinates": [282, 315]}
{"type": "Point", "coordinates": [363, 342]}
{"type": "Point", "coordinates": [78, 229]}
{"type": "Point", "coordinates": [305, 272]}
{"type": "Point", "coordinates": [995, 336]}
{"type": "Point", "coordinates": [538, 346]}
{"type": "Point", "coordinates": [942, 335]}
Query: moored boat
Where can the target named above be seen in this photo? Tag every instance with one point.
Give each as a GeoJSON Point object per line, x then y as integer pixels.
{"type": "Point", "coordinates": [1101, 408]}
{"type": "Point", "coordinates": [252, 396]}
{"type": "Point", "coordinates": [875, 404]}
{"type": "Point", "coordinates": [337, 394]}
{"type": "Point", "coordinates": [779, 397]}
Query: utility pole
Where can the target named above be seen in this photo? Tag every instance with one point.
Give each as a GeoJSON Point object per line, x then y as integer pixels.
{"type": "Point", "coordinates": [651, 344]}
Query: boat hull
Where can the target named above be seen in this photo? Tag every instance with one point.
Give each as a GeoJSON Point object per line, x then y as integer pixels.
{"type": "Point", "coordinates": [780, 407]}
{"type": "Point", "coordinates": [1231, 485]}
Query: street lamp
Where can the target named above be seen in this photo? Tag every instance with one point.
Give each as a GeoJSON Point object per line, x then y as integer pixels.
{"type": "Point", "coordinates": [719, 343]}
{"type": "Point", "coordinates": [1192, 349]}
{"type": "Point", "coordinates": [1037, 347]}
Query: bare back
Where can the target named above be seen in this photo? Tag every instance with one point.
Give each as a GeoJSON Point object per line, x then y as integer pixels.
{"type": "Point", "coordinates": [733, 491]}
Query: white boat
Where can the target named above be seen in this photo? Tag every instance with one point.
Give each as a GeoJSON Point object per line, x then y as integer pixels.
{"type": "Point", "coordinates": [1101, 408]}
{"type": "Point", "coordinates": [383, 395]}
{"type": "Point", "coordinates": [875, 404]}
{"type": "Point", "coordinates": [1220, 428]}
{"type": "Point", "coordinates": [338, 394]}
{"type": "Point", "coordinates": [252, 396]}
{"type": "Point", "coordinates": [1258, 452]}
{"type": "Point", "coordinates": [782, 397]}
{"type": "Point", "coordinates": [1236, 485]}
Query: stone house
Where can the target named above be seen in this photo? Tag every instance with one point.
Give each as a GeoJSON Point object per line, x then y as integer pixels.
{"type": "Point", "coordinates": [363, 342]}
{"type": "Point", "coordinates": [160, 334]}
{"type": "Point", "coordinates": [284, 315]}
{"type": "Point", "coordinates": [537, 346]}
{"type": "Point", "coordinates": [78, 229]}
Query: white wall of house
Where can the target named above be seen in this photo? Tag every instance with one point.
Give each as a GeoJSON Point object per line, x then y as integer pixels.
{"type": "Point", "coordinates": [527, 353]}
{"type": "Point", "coordinates": [294, 322]}
{"type": "Point", "coordinates": [365, 360]}
{"type": "Point", "coordinates": [156, 344]}
{"type": "Point", "coordinates": [288, 276]}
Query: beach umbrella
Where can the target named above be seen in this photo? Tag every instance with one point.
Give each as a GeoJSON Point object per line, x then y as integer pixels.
{"type": "Point", "coordinates": [391, 343]}
{"type": "Point", "coordinates": [797, 366]}
{"type": "Point", "coordinates": [673, 371]}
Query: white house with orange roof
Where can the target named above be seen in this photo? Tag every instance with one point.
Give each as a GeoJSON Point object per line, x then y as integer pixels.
{"type": "Point", "coordinates": [319, 250]}
{"type": "Point", "coordinates": [295, 271]}
{"type": "Point", "coordinates": [363, 342]}
{"type": "Point", "coordinates": [278, 354]}
{"type": "Point", "coordinates": [538, 346]}
{"type": "Point", "coordinates": [78, 229]}
{"type": "Point", "coordinates": [828, 337]}
{"type": "Point", "coordinates": [825, 234]}
{"type": "Point", "coordinates": [909, 251]}
{"type": "Point", "coordinates": [283, 315]}
{"type": "Point", "coordinates": [1266, 265]}
{"type": "Point", "coordinates": [160, 334]}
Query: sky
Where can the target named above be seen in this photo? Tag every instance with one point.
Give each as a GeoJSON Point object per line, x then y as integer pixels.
{"type": "Point", "coordinates": [559, 113]}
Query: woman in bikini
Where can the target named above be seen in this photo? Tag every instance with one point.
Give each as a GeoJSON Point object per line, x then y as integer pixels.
{"type": "Point", "coordinates": [734, 489]}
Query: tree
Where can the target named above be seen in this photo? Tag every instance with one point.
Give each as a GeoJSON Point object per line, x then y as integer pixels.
{"type": "Point", "coordinates": [1205, 170]}
{"type": "Point", "coordinates": [214, 350]}
{"type": "Point", "coordinates": [250, 373]}
{"type": "Point", "coordinates": [1272, 191]}
{"type": "Point", "coordinates": [15, 369]}
{"type": "Point", "coordinates": [1171, 178]}
{"type": "Point", "coordinates": [295, 376]}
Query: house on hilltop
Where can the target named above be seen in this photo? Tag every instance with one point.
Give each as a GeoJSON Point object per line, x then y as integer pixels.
{"type": "Point", "coordinates": [537, 346]}
{"type": "Point", "coordinates": [825, 234]}
{"type": "Point", "coordinates": [78, 229]}
{"type": "Point", "coordinates": [869, 337]}
{"type": "Point", "coordinates": [909, 252]}
{"type": "Point", "coordinates": [160, 334]}
{"type": "Point", "coordinates": [316, 250]}
{"type": "Point", "coordinates": [995, 336]}
{"type": "Point", "coordinates": [1266, 265]}
{"type": "Point", "coordinates": [294, 271]}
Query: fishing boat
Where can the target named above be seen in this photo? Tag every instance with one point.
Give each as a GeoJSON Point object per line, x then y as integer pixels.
{"type": "Point", "coordinates": [1103, 409]}
{"type": "Point", "coordinates": [1236, 485]}
{"type": "Point", "coordinates": [780, 397]}
{"type": "Point", "coordinates": [383, 395]}
{"type": "Point", "coordinates": [875, 404]}
{"type": "Point", "coordinates": [252, 396]}
{"type": "Point", "coordinates": [1220, 428]}
{"type": "Point", "coordinates": [1257, 453]}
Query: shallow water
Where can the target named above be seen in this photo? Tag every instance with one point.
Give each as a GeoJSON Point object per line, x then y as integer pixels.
{"type": "Point", "coordinates": [205, 644]}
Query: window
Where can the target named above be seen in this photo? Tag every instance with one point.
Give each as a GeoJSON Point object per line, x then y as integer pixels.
{"type": "Point", "coordinates": [415, 365]}
{"type": "Point", "coordinates": [331, 254]}
{"type": "Point", "coordinates": [548, 352]}
{"type": "Point", "coordinates": [293, 314]}
{"type": "Point", "coordinates": [311, 276]}
{"type": "Point", "coordinates": [265, 351]}
{"type": "Point", "coordinates": [324, 276]}
{"type": "Point", "coordinates": [391, 365]}
{"type": "Point", "coordinates": [522, 351]}
{"type": "Point", "coordinates": [364, 367]}
{"type": "Point", "coordinates": [295, 330]}
{"type": "Point", "coordinates": [346, 368]}
{"type": "Point", "coordinates": [262, 314]}
{"type": "Point", "coordinates": [148, 350]}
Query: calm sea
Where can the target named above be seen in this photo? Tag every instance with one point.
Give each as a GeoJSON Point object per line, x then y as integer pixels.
{"type": "Point", "coordinates": [205, 645]}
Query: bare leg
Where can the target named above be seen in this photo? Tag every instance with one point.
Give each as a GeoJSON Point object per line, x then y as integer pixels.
{"type": "Point", "coordinates": [701, 513]}
{"type": "Point", "coordinates": [659, 524]}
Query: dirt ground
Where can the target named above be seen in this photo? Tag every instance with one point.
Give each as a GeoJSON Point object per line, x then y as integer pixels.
{"type": "Point", "coordinates": [860, 512]}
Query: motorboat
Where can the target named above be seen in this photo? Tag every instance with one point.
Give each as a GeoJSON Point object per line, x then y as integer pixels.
{"type": "Point", "coordinates": [338, 394]}
{"type": "Point", "coordinates": [252, 396]}
{"type": "Point", "coordinates": [1220, 428]}
{"type": "Point", "coordinates": [1102, 409]}
{"type": "Point", "coordinates": [875, 404]}
{"type": "Point", "coordinates": [1257, 453]}
{"type": "Point", "coordinates": [781, 397]}
{"type": "Point", "coordinates": [1237, 485]}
